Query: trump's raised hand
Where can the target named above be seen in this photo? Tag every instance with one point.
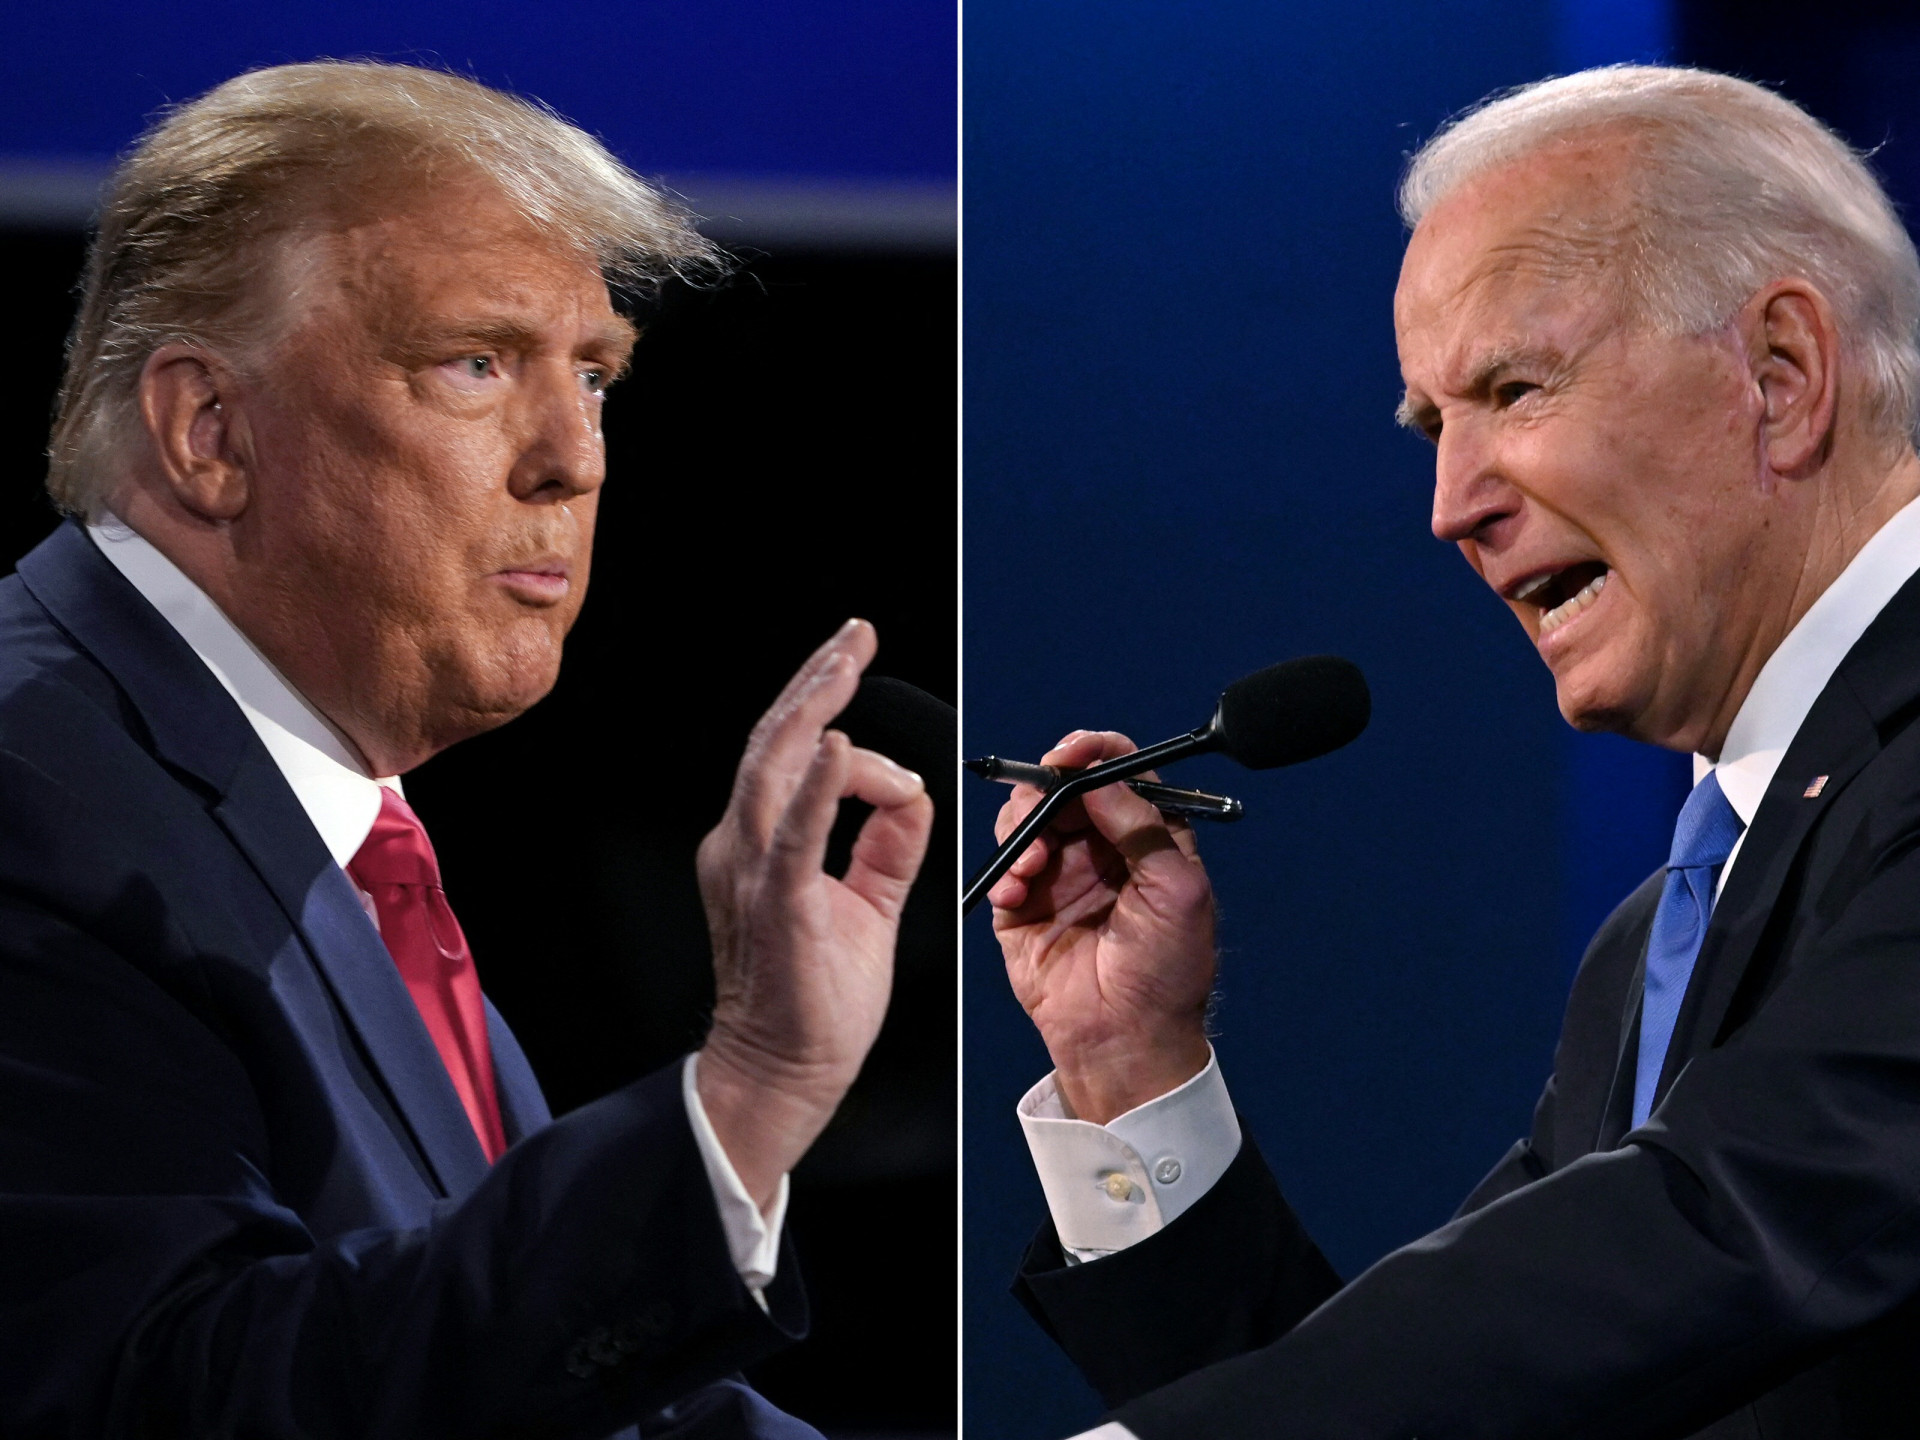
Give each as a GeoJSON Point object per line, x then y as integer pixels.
{"type": "Point", "coordinates": [803, 963]}
{"type": "Point", "coordinates": [1107, 927]}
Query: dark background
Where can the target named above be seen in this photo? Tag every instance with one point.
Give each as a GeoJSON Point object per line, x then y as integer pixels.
{"type": "Point", "coordinates": [782, 457]}
{"type": "Point", "coordinates": [1181, 466]}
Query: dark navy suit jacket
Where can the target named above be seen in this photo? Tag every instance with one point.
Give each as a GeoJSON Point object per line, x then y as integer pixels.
{"type": "Point", "coordinates": [238, 1194]}
{"type": "Point", "coordinates": [1746, 1264]}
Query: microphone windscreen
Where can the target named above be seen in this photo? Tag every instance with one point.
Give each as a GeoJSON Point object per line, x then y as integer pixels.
{"type": "Point", "coordinates": [1296, 710]}
{"type": "Point", "coordinates": [904, 723]}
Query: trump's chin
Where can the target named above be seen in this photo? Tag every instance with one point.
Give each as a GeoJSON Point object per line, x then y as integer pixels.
{"type": "Point", "coordinates": [481, 690]}
{"type": "Point", "coordinates": [516, 683]}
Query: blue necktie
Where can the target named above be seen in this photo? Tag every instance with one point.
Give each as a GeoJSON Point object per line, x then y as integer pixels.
{"type": "Point", "coordinates": [1703, 837]}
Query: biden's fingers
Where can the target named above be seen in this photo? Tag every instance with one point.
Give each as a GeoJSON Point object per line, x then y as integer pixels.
{"type": "Point", "coordinates": [1017, 806]}
{"type": "Point", "coordinates": [1137, 830]}
{"type": "Point", "coordinates": [1083, 748]}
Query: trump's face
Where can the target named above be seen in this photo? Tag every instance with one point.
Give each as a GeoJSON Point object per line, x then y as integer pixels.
{"type": "Point", "coordinates": [1602, 478]}
{"type": "Point", "coordinates": [426, 459]}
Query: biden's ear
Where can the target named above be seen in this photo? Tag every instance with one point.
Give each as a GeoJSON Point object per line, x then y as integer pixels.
{"type": "Point", "coordinates": [198, 434]}
{"type": "Point", "coordinates": [1794, 348]}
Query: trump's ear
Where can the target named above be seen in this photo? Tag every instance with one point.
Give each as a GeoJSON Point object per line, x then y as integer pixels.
{"type": "Point", "coordinates": [199, 439]}
{"type": "Point", "coordinates": [1794, 348]}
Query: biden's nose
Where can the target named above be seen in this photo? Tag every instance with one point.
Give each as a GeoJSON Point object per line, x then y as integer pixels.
{"type": "Point", "coordinates": [1471, 494]}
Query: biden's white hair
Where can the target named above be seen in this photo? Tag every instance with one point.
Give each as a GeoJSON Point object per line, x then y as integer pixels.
{"type": "Point", "coordinates": [1733, 187]}
{"type": "Point", "coordinates": [193, 215]}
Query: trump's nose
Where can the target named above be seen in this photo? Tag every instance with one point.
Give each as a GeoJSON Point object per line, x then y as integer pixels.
{"type": "Point", "coordinates": [562, 453]}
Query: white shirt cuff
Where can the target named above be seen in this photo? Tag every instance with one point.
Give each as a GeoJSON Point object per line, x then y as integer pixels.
{"type": "Point", "coordinates": [1110, 1186]}
{"type": "Point", "coordinates": [1112, 1430]}
{"type": "Point", "coordinates": [753, 1239]}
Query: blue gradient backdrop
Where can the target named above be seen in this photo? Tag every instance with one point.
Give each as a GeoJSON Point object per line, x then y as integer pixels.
{"type": "Point", "coordinates": [1180, 253]}
{"type": "Point", "coordinates": [857, 89]}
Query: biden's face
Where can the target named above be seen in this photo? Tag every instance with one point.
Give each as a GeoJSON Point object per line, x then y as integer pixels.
{"type": "Point", "coordinates": [428, 456]}
{"type": "Point", "coordinates": [1601, 477]}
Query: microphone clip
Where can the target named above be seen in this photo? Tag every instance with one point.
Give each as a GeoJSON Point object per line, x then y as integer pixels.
{"type": "Point", "coordinates": [1167, 799]}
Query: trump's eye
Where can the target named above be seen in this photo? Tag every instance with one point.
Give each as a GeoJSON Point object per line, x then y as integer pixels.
{"type": "Point", "coordinates": [470, 370]}
{"type": "Point", "coordinates": [596, 380]}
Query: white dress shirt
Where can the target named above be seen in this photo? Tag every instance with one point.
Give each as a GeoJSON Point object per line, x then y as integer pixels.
{"type": "Point", "coordinates": [1795, 674]}
{"type": "Point", "coordinates": [1197, 1120]}
{"type": "Point", "coordinates": [1110, 1186]}
{"type": "Point", "coordinates": [330, 781]}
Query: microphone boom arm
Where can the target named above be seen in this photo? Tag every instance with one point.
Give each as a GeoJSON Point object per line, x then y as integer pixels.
{"type": "Point", "coordinates": [1107, 772]}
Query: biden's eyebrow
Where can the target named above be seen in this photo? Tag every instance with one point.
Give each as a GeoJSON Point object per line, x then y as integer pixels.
{"type": "Point", "coordinates": [1489, 367]}
{"type": "Point", "coordinates": [1415, 413]}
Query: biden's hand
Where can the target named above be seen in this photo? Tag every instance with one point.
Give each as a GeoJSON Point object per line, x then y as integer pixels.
{"type": "Point", "coordinates": [803, 963]}
{"type": "Point", "coordinates": [1107, 926]}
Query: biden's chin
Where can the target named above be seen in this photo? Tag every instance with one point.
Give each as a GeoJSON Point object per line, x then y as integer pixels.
{"type": "Point", "coordinates": [1605, 668]}
{"type": "Point", "coordinates": [1597, 693]}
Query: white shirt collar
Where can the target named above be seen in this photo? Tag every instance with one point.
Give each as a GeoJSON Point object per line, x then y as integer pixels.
{"type": "Point", "coordinates": [1800, 668]}
{"type": "Point", "coordinates": [326, 775]}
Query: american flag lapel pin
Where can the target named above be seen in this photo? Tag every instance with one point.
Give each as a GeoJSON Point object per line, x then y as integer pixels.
{"type": "Point", "coordinates": [1814, 787]}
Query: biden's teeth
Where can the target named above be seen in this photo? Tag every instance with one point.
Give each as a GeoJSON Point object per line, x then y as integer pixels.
{"type": "Point", "coordinates": [1532, 585]}
{"type": "Point", "coordinates": [1574, 604]}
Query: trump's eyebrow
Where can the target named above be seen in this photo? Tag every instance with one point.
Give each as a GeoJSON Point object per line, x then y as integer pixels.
{"type": "Point", "coordinates": [619, 334]}
{"type": "Point", "coordinates": [614, 339]}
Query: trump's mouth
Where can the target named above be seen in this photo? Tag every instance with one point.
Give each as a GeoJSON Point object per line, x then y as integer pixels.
{"type": "Point", "coordinates": [541, 582]}
{"type": "Point", "coordinates": [1563, 594]}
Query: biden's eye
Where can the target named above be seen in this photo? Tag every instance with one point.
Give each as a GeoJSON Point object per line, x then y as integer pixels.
{"type": "Point", "coordinates": [1509, 391]}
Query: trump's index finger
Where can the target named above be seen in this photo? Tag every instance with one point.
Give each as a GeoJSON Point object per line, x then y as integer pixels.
{"type": "Point", "coordinates": [782, 745]}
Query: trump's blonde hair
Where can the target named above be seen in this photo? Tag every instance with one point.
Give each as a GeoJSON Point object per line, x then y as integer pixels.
{"type": "Point", "coordinates": [191, 217]}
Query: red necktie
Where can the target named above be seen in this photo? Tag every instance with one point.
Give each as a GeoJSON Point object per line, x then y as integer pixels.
{"type": "Point", "coordinates": [396, 867]}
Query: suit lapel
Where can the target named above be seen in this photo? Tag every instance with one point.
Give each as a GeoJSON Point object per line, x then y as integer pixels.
{"type": "Point", "coordinates": [1838, 748]}
{"type": "Point", "coordinates": [523, 1108]}
{"type": "Point", "coordinates": [1879, 678]}
{"type": "Point", "coordinates": [1616, 1111]}
{"type": "Point", "coordinates": [195, 728]}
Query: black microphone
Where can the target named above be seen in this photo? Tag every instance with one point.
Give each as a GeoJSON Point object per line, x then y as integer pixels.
{"type": "Point", "coordinates": [903, 722]}
{"type": "Point", "coordinates": [1294, 711]}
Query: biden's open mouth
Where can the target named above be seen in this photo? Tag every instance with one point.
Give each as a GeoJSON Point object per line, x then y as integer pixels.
{"type": "Point", "coordinates": [1562, 594]}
